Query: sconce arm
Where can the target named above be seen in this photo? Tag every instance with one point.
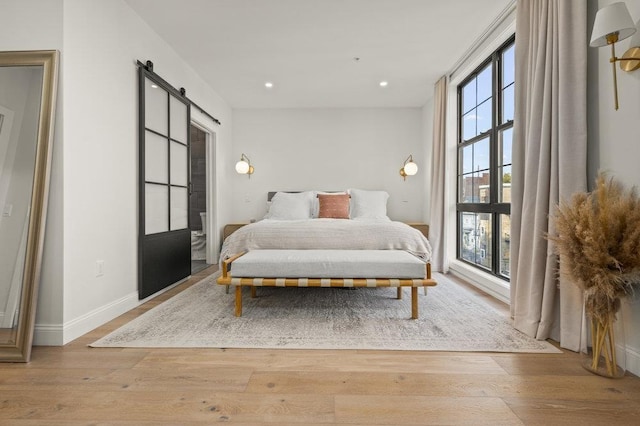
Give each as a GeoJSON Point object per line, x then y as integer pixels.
{"type": "Point", "coordinates": [623, 59]}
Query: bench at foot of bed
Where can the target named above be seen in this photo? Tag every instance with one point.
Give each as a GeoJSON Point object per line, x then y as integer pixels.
{"type": "Point", "coordinates": [389, 263]}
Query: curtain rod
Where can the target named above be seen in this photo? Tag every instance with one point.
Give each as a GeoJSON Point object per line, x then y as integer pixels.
{"type": "Point", "coordinates": [149, 67]}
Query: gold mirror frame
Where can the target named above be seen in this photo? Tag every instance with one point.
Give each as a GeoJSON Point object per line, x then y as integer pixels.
{"type": "Point", "coordinates": [20, 350]}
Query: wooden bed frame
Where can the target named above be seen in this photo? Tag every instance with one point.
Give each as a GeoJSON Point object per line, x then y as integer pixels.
{"type": "Point", "coordinates": [227, 280]}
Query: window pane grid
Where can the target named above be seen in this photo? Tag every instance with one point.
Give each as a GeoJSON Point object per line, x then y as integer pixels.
{"type": "Point", "coordinates": [477, 103]}
{"type": "Point", "coordinates": [486, 113]}
{"type": "Point", "coordinates": [483, 85]}
{"type": "Point", "coordinates": [476, 239]}
{"type": "Point", "coordinates": [469, 96]}
{"type": "Point", "coordinates": [469, 126]}
{"type": "Point", "coordinates": [508, 103]}
{"type": "Point", "coordinates": [504, 194]}
{"type": "Point", "coordinates": [475, 179]}
{"type": "Point", "coordinates": [505, 241]}
{"type": "Point", "coordinates": [508, 70]}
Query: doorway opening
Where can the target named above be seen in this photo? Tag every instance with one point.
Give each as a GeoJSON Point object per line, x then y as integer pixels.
{"type": "Point", "coordinates": [198, 199]}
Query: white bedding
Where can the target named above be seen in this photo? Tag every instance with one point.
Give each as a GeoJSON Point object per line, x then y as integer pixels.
{"type": "Point", "coordinates": [327, 234]}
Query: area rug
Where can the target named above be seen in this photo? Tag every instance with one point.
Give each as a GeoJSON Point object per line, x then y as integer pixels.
{"type": "Point", "coordinates": [452, 318]}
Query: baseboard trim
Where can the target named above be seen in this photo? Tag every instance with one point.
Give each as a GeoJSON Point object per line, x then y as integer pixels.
{"type": "Point", "coordinates": [489, 284]}
{"type": "Point", "coordinates": [48, 335]}
{"type": "Point", "coordinates": [91, 320]}
{"type": "Point", "coordinates": [632, 360]}
{"type": "Point", "coordinates": [59, 335]}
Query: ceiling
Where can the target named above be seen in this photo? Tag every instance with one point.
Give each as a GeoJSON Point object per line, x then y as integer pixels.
{"type": "Point", "coordinates": [308, 48]}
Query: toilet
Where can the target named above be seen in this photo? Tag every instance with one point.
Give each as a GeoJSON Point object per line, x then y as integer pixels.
{"type": "Point", "coordinates": [199, 240]}
{"type": "Point", "coordinates": [203, 219]}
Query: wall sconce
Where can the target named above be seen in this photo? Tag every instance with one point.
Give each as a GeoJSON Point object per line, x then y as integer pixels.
{"type": "Point", "coordinates": [409, 168]}
{"type": "Point", "coordinates": [244, 166]}
{"type": "Point", "coordinates": [613, 23]}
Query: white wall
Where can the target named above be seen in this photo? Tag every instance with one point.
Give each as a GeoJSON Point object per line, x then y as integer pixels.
{"type": "Point", "coordinates": [614, 140]}
{"type": "Point", "coordinates": [328, 149]}
{"type": "Point", "coordinates": [102, 41]}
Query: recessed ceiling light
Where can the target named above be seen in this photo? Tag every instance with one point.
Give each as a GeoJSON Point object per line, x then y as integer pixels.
{"type": "Point", "coordinates": [154, 86]}
{"type": "Point", "coordinates": [268, 85]}
{"type": "Point", "coordinates": [384, 83]}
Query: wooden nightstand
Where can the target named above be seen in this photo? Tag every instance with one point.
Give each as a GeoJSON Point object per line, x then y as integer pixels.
{"type": "Point", "coordinates": [230, 228]}
{"type": "Point", "coordinates": [422, 227]}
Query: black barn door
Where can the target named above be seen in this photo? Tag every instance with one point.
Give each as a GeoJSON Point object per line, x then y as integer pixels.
{"type": "Point", "coordinates": [164, 246]}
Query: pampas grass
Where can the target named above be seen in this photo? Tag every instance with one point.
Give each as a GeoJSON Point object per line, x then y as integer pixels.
{"type": "Point", "coordinates": [598, 240]}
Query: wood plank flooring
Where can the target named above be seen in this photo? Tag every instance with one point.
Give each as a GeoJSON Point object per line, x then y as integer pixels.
{"type": "Point", "coordinates": [78, 385]}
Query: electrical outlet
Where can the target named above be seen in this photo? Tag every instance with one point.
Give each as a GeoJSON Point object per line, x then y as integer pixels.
{"type": "Point", "coordinates": [99, 268]}
{"type": "Point", "coordinates": [8, 209]}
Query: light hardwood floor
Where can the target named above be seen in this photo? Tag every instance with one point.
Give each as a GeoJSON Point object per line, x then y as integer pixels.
{"type": "Point", "coordinates": [78, 385]}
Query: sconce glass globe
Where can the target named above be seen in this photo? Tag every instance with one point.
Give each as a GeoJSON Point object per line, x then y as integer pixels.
{"type": "Point", "coordinates": [411, 168]}
{"type": "Point", "coordinates": [242, 167]}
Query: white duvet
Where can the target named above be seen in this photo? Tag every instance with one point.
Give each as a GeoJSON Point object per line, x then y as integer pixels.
{"type": "Point", "coordinates": [327, 234]}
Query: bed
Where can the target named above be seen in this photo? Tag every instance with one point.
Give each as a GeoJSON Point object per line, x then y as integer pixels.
{"type": "Point", "coordinates": [327, 234]}
{"type": "Point", "coordinates": [319, 239]}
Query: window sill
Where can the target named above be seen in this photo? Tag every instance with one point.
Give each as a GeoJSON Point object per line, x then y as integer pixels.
{"type": "Point", "coordinates": [494, 286]}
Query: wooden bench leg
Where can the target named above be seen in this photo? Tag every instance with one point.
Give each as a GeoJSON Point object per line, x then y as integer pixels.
{"type": "Point", "coordinates": [428, 277]}
{"type": "Point", "coordinates": [399, 293]}
{"type": "Point", "coordinates": [414, 302]}
{"type": "Point", "coordinates": [238, 300]}
{"type": "Point", "coordinates": [253, 292]}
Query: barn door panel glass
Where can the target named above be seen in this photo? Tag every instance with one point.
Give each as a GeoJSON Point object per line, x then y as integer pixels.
{"type": "Point", "coordinates": [155, 161]}
{"type": "Point", "coordinates": [179, 208]}
{"type": "Point", "coordinates": [179, 124]}
{"type": "Point", "coordinates": [166, 161]}
{"type": "Point", "coordinates": [156, 108]}
{"type": "Point", "coordinates": [156, 198]}
{"type": "Point", "coordinates": [179, 164]}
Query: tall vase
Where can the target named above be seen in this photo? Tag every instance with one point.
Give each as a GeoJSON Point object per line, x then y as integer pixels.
{"type": "Point", "coordinates": [606, 354]}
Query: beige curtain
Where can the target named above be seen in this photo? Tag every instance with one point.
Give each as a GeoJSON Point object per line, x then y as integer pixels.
{"type": "Point", "coordinates": [437, 223]}
{"type": "Point", "coordinates": [549, 161]}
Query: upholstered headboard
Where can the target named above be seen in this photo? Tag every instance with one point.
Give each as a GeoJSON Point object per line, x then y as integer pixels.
{"type": "Point", "coordinates": [270, 194]}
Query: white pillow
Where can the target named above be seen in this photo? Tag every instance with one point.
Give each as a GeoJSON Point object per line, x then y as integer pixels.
{"type": "Point", "coordinates": [368, 204]}
{"type": "Point", "coordinates": [290, 206]}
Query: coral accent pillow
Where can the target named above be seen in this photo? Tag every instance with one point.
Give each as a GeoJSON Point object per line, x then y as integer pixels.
{"type": "Point", "coordinates": [334, 206]}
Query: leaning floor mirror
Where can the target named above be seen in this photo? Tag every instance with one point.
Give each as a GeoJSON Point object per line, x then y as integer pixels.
{"type": "Point", "coordinates": [28, 85]}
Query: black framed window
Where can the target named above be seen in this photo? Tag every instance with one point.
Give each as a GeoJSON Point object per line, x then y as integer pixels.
{"type": "Point", "coordinates": [485, 129]}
